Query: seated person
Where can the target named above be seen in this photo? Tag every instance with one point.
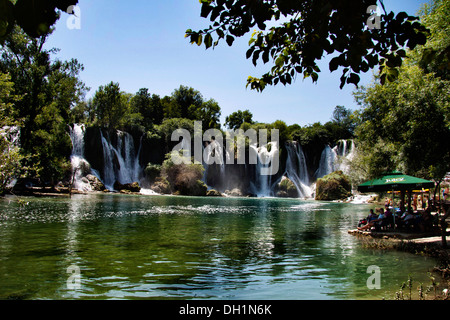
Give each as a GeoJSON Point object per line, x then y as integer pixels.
{"type": "Point", "coordinates": [389, 217]}
{"type": "Point", "coordinates": [370, 217]}
{"type": "Point", "coordinates": [374, 222]}
{"type": "Point", "coordinates": [407, 219]}
{"type": "Point", "coordinates": [426, 221]}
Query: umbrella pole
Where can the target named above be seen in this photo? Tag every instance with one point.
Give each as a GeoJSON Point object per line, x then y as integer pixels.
{"type": "Point", "coordinates": [393, 207]}
{"type": "Point", "coordinates": [409, 200]}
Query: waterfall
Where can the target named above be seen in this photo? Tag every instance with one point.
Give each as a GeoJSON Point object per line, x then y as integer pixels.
{"type": "Point", "coordinates": [80, 167]}
{"type": "Point", "coordinates": [108, 165]}
{"type": "Point", "coordinates": [265, 168]}
{"type": "Point", "coordinates": [296, 169]}
{"type": "Point", "coordinates": [213, 154]}
{"type": "Point", "coordinates": [336, 159]}
{"type": "Point", "coordinates": [345, 151]}
{"type": "Point", "coordinates": [327, 163]}
{"type": "Point", "coordinates": [121, 163]}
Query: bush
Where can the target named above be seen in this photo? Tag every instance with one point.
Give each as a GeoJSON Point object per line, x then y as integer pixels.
{"type": "Point", "coordinates": [287, 189]}
{"type": "Point", "coordinates": [152, 171]}
{"type": "Point", "coordinates": [184, 178]}
{"type": "Point", "coordinates": [335, 186]}
{"type": "Point", "coordinates": [161, 186]}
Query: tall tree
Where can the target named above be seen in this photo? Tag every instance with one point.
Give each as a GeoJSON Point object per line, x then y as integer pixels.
{"type": "Point", "coordinates": [209, 113]}
{"type": "Point", "coordinates": [236, 119]}
{"type": "Point", "coordinates": [49, 89]}
{"type": "Point", "coordinates": [149, 106]}
{"type": "Point", "coordinates": [186, 99]}
{"type": "Point", "coordinates": [405, 124]}
{"type": "Point", "coordinates": [10, 157]}
{"type": "Point", "coordinates": [111, 106]}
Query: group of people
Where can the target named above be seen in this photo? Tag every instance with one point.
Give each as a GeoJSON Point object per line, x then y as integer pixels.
{"type": "Point", "coordinates": [402, 219]}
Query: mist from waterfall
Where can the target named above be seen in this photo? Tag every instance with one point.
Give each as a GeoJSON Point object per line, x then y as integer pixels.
{"type": "Point", "coordinates": [327, 163]}
{"type": "Point", "coordinates": [337, 158]}
{"type": "Point", "coordinates": [214, 154]}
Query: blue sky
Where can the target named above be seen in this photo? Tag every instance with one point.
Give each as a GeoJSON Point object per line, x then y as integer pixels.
{"type": "Point", "coordinates": [143, 46]}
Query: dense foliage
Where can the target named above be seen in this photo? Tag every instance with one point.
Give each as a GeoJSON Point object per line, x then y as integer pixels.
{"type": "Point", "coordinates": [35, 17]}
{"type": "Point", "coordinates": [405, 125]}
{"type": "Point", "coordinates": [303, 32]}
{"type": "Point", "coordinates": [48, 90]}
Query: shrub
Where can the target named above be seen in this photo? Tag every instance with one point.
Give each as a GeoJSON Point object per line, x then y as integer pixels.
{"type": "Point", "coordinates": [335, 186]}
{"type": "Point", "coordinates": [183, 178]}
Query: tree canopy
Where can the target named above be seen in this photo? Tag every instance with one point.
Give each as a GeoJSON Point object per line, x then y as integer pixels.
{"type": "Point", "coordinates": [35, 17]}
{"type": "Point", "coordinates": [236, 119]}
{"type": "Point", "coordinates": [303, 32]}
{"type": "Point", "coordinates": [405, 125]}
{"type": "Point", "coordinates": [48, 88]}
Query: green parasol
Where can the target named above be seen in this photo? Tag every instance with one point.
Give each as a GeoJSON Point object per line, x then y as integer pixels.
{"type": "Point", "coordinates": [395, 181]}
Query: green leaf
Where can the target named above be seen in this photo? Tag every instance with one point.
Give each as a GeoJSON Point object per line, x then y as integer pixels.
{"type": "Point", "coordinates": [334, 64]}
{"type": "Point", "coordinates": [265, 56]}
{"type": "Point", "coordinates": [199, 40]}
{"type": "Point", "coordinates": [230, 40]}
{"type": "Point", "coordinates": [249, 52]}
{"type": "Point", "coordinates": [6, 18]}
{"type": "Point", "coordinates": [208, 41]}
{"type": "Point", "coordinates": [206, 10]}
{"type": "Point", "coordinates": [280, 61]}
{"type": "Point", "coordinates": [353, 78]}
{"type": "Point", "coordinates": [220, 33]}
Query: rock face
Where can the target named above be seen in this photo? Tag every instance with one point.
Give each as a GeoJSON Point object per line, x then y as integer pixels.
{"type": "Point", "coordinates": [131, 187]}
{"type": "Point", "coordinates": [234, 193]}
{"type": "Point", "coordinates": [95, 183]}
{"type": "Point", "coordinates": [213, 193]}
{"type": "Point", "coordinates": [287, 189]}
{"type": "Point", "coordinates": [161, 186]}
{"type": "Point", "coordinates": [335, 186]}
{"type": "Point", "coordinates": [195, 189]}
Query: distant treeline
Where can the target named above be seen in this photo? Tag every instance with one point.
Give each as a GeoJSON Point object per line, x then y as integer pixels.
{"type": "Point", "coordinates": [401, 125]}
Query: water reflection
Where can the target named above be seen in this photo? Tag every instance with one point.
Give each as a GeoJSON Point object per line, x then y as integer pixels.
{"type": "Point", "coordinates": [175, 247]}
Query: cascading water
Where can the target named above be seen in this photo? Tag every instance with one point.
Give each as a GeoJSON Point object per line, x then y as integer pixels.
{"type": "Point", "coordinates": [121, 163]}
{"type": "Point", "coordinates": [345, 151]}
{"type": "Point", "coordinates": [265, 168]}
{"type": "Point", "coordinates": [296, 169]}
{"type": "Point", "coordinates": [327, 163]}
{"type": "Point", "coordinates": [213, 154]}
{"type": "Point", "coordinates": [80, 167]}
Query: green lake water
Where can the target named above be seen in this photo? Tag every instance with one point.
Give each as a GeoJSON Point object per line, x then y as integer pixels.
{"type": "Point", "coordinates": [151, 247]}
